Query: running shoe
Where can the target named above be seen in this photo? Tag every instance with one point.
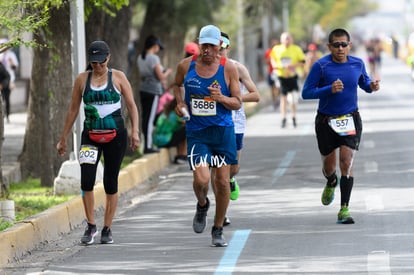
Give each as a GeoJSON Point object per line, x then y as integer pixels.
{"type": "Point", "coordinates": [294, 122]}
{"type": "Point", "coordinates": [106, 236]}
{"type": "Point", "coordinates": [200, 217]}
{"type": "Point", "coordinates": [89, 234]}
{"type": "Point", "coordinates": [328, 194]}
{"type": "Point", "coordinates": [226, 221]}
{"type": "Point", "coordinates": [234, 189]}
{"type": "Point", "coordinates": [217, 237]}
{"type": "Point", "coordinates": [284, 123]}
{"type": "Point", "coordinates": [344, 217]}
{"type": "Point", "coordinates": [180, 160]}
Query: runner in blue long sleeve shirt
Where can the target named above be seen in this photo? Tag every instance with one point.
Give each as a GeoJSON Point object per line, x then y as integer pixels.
{"type": "Point", "coordinates": [334, 80]}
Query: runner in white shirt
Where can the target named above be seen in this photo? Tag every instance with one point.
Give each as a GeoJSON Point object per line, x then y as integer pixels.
{"type": "Point", "coordinates": [250, 93]}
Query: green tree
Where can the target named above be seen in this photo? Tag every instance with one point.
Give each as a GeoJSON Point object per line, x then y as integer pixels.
{"type": "Point", "coordinates": [329, 14]}
{"type": "Point", "coordinates": [48, 96]}
{"type": "Point", "coordinates": [17, 18]}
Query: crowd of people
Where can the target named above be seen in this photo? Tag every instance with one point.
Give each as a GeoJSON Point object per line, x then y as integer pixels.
{"type": "Point", "coordinates": [201, 114]}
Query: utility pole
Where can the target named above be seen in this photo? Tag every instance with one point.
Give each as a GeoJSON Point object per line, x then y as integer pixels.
{"type": "Point", "coordinates": [285, 16]}
{"type": "Point", "coordinates": [240, 32]}
{"type": "Point", "coordinates": [68, 180]}
{"type": "Point", "coordinates": [78, 60]}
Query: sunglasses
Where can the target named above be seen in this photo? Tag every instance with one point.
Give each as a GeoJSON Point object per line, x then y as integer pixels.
{"type": "Point", "coordinates": [339, 44]}
{"type": "Point", "coordinates": [100, 63]}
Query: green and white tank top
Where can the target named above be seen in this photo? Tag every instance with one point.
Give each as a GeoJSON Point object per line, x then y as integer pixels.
{"type": "Point", "coordinates": [102, 105]}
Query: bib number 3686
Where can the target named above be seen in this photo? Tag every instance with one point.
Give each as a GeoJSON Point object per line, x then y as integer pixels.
{"type": "Point", "coordinates": [203, 107]}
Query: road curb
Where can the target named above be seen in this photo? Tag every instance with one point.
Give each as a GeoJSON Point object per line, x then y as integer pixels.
{"type": "Point", "coordinates": [16, 241]}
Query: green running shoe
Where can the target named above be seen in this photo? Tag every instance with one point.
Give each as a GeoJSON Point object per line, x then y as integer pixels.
{"type": "Point", "coordinates": [328, 194]}
{"type": "Point", "coordinates": [344, 217]}
{"type": "Point", "coordinates": [234, 189]}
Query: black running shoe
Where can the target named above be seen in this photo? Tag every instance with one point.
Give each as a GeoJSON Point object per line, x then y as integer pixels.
{"type": "Point", "coordinates": [226, 221]}
{"type": "Point", "coordinates": [89, 235]}
{"type": "Point", "coordinates": [217, 237]}
{"type": "Point", "coordinates": [106, 235]}
{"type": "Point", "coordinates": [284, 123]}
{"type": "Point", "coordinates": [200, 217]}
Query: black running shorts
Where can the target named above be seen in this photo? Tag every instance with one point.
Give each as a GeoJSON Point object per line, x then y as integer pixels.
{"type": "Point", "coordinates": [329, 140]}
{"type": "Point", "coordinates": [288, 84]}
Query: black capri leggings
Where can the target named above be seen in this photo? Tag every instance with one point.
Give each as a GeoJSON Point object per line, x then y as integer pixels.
{"type": "Point", "coordinates": [113, 153]}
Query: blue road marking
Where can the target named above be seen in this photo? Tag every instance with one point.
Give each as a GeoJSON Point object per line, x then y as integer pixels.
{"type": "Point", "coordinates": [231, 255]}
{"type": "Point", "coordinates": [284, 164]}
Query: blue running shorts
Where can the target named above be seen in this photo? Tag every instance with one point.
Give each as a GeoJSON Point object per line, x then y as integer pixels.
{"type": "Point", "coordinates": [239, 141]}
{"type": "Point", "coordinates": [214, 146]}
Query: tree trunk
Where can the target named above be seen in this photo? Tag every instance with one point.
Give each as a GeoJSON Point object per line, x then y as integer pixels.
{"type": "Point", "coordinates": [113, 30]}
{"type": "Point", "coordinates": [50, 93]}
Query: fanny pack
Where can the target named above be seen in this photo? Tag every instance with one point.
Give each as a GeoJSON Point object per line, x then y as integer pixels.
{"type": "Point", "coordinates": [102, 136]}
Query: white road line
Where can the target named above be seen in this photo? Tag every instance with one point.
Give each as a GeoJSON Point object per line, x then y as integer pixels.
{"type": "Point", "coordinates": [369, 144]}
{"type": "Point", "coordinates": [284, 164]}
{"type": "Point", "coordinates": [370, 167]}
{"type": "Point", "coordinates": [374, 203]}
{"type": "Point", "coordinates": [378, 263]}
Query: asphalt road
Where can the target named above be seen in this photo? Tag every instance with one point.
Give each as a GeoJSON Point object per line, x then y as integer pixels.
{"type": "Point", "coordinates": [279, 225]}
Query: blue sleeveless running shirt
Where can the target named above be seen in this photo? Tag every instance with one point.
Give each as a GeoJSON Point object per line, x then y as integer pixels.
{"type": "Point", "coordinates": [102, 106]}
{"type": "Point", "coordinates": [204, 111]}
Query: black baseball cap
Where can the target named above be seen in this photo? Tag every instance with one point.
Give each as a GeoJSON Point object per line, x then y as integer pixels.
{"type": "Point", "coordinates": [98, 51]}
{"type": "Point", "coordinates": [152, 40]}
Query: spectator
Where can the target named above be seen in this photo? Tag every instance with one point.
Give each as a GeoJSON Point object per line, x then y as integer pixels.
{"type": "Point", "coordinates": [4, 81]}
{"type": "Point", "coordinates": [9, 60]}
{"type": "Point", "coordinates": [170, 132]}
{"type": "Point", "coordinates": [153, 84]}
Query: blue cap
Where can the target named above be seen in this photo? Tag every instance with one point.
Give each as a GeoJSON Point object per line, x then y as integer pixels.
{"type": "Point", "coordinates": [210, 35]}
{"type": "Point", "coordinates": [226, 42]}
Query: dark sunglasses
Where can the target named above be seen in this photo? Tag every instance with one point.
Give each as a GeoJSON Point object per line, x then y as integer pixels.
{"type": "Point", "coordinates": [339, 44]}
{"type": "Point", "coordinates": [94, 63]}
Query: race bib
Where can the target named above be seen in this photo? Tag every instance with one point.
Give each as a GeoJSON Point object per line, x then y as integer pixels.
{"type": "Point", "coordinates": [286, 61]}
{"type": "Point", "coordinates": [203, 106]}
{"type": "Point", "coordinates": [343, 125]}
{"type": "Point", "coordinates": [88, 154]}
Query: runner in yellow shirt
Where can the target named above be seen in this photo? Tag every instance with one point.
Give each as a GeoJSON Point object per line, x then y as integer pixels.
{"type": "Point", "coordinates": [287, 58]}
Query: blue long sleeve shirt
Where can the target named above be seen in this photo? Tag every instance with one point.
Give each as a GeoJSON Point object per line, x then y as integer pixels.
{"type": "Point", "coordinates": [324, 72]}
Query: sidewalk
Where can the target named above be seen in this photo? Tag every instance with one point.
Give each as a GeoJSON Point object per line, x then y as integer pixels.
{"type": "Point", "coordinates": [14, 133]}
